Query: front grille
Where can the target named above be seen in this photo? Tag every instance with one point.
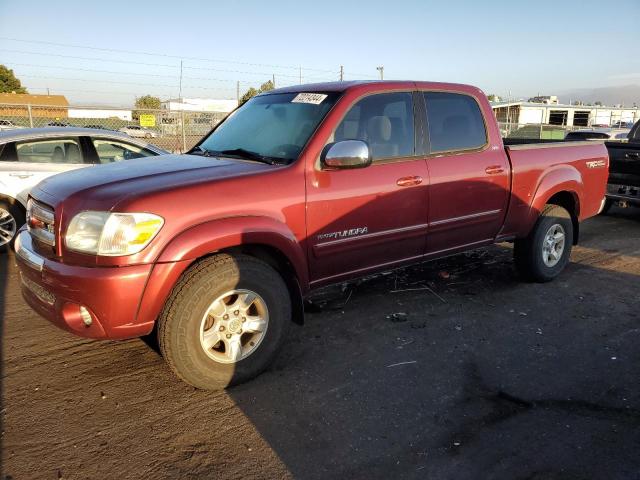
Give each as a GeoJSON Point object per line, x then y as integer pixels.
{"type": "Point", "coordinates": [40, 222]}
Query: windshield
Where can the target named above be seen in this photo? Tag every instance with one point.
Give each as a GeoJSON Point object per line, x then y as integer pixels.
{"type": "Point", "coordinates": [275, 126]}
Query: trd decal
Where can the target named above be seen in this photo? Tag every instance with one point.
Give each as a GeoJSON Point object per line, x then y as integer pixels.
{"type": "Point", "coordinates": [596, 163]}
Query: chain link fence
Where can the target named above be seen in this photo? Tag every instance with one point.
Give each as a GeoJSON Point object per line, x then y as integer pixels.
{"type": "Point", "coordinates": [175, 131]}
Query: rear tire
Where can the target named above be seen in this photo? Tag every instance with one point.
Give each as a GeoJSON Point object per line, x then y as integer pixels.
{"type": "Point", "coordinates": [200, 330]}
{"type": "Point", "coordinates": [12, 217]}
{"type": "Point", "coordinates": [545, 252]}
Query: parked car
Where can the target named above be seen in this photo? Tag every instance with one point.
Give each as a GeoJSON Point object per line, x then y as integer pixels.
{"type": "Point", "coordinates": [622, 124]}
{"type": "Point", "coordinates": [300, 187]}
{"type": "Point", "coordinates": [138, 131]}
{"type": "Point", "coordinates": [624, 172]}
{"type": "Point", "coordinates": [7, 125]}
{"type": "Point", "coordinates": [57, 123]}
{"type": "Point", "coordinates": [598, 134]}
{"type": "Point", "coordinates": [28, 156]}
{"type": "Point", "coordinates": [93, 125]}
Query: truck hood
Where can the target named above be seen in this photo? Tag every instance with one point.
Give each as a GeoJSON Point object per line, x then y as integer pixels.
{"type": "Point", "coordinates": [108, 184]}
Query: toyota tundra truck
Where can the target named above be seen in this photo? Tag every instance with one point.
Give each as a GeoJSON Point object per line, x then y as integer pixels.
{"type": "Point", "coordinates": [215, 251]}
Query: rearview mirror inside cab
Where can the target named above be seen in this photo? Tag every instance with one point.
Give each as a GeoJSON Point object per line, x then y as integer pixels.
{"type": "Point", "coordinates": [346, 154]}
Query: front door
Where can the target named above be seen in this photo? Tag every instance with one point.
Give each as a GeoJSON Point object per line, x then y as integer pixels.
{"type": "Point", "coordinates": [361, 219]}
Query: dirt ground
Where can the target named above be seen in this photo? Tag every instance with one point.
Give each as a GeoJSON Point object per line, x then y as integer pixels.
{"type": "Point", "coordinates": [447, 370]}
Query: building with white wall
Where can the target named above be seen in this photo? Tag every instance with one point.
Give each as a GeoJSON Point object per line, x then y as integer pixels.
{"type": "Point", "coordinates": [200, 105]}
{"type": "Point", "coordinates": [523, 113]}
{"type": "Point", "coordinates": [100, 113]}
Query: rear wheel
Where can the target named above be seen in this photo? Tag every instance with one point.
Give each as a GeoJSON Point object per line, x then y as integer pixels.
{"type": "Point", "coordinates": [545, 252]}
{"type": "Point", "coordinates": [225, 321]}
{"type": "Point", "coordinates": [12, 217]}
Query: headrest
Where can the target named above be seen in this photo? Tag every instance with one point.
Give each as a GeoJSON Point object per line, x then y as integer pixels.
{"type": "Point", "coordinates": [379, 129]}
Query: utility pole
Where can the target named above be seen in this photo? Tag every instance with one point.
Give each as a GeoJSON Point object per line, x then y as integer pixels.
{"type": "Point", "coordinates": [238, 92]}
{"type": "Point", "coordinates": [273, 80]}
{"type": "Point", "coordinates": [180, 88]}
{"type": "Point", "coordinates": [381, 70]}
{"type": "Point", "coordinates": [341, 73]}
{"type": "Point", "coordinates": [300, 74]}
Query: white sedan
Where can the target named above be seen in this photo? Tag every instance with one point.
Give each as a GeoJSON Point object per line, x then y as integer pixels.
{"type": "Point", "coordinates": [29, 155]}
{"type": "Point", "coordinates": [138, 131]}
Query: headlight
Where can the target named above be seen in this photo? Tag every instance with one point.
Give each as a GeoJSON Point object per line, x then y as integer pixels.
{"type": "Point", "coordinates": [112, 234]}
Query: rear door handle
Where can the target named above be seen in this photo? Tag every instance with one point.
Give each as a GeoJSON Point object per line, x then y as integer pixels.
{"type": "Point", "coordinates": [409, 181]}
{"type": "Point", "coordinates": [633, 155]}
{"type": "Point", "coordinates": [493, 170]}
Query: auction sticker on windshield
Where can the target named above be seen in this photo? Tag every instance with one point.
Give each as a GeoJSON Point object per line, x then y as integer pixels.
{"type": "Point", "coordinates": [314, 98]}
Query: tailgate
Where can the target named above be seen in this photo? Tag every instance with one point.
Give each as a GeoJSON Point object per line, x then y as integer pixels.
{"type": "Point", "coordinates": [624, 166]}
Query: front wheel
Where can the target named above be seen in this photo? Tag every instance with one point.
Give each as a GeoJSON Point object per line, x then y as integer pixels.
{"type": "Point", "coordinates": [224, 321]}
{"type": "Point", "coordinates": [12, 217]}
{"type": "Point", "coordinates": [545, 252]}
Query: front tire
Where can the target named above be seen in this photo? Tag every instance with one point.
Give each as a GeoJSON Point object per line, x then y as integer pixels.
{"type": "Point", "coordinates": [545, 252]}
{"type": "Point", "coordinates": [12, 217]}
{"type": "Point", "coordinates": [225, 321]}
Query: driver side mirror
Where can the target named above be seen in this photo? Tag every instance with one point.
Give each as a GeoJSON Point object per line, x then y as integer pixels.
{"type": "Point", "coordinates": [346, 154]}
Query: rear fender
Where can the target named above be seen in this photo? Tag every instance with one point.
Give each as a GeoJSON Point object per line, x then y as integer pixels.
{"type": "Point", "coordinates": [563, 178]}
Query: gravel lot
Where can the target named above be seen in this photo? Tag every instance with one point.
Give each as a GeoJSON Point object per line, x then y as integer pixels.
{"type": "Point", "coordinates": [452, 369]}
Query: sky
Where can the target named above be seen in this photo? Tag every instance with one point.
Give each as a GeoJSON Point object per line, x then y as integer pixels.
{"type": "Point", "coordinates": [111, 52]}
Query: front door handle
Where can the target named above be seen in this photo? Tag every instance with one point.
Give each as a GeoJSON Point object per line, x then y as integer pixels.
{"type": "Point", "coordinates": [494, 170]}
{"type": "Point", "coordinates": [409, 181]}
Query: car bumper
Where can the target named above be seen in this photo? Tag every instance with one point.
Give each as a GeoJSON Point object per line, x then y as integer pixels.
{"type": "Point", "coordinates": [110, 296]}
{"type": "Point", "coordinates": [624, 193]}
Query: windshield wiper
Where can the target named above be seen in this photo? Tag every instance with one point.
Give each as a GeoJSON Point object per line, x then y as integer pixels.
{"type": "Point", "coordinates": [198, 150]}
{"type": "Point", "coordinates": [249, 155]}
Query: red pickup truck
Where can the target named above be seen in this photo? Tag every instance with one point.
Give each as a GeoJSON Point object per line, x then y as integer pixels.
{"type": "Point", "coordinates": [298, 188]}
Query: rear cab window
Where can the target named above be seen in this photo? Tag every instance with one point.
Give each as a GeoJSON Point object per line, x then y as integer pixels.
{"type": "Point", "coordinates": [384, 121]}
{"type": "Point", "coordinates": [455, 122]}
{"type": "Point", "coordinates": [56, 150]}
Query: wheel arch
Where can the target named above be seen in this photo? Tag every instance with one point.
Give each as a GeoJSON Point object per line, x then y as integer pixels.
{"type": "Point", "coordinates": [571, 203]}
{"type": "Point", "coordinates": [264, 238]}
{"type": "Point", "coordinates": [561, 186]}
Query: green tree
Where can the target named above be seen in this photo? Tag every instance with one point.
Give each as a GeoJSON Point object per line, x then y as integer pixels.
{"type": "Point", "coordinates": [492, 97]}
{"type": "Point", "coordinates": [9, 83]}
{"type": "Point", "coordinates": [598, 103]}
{"type": "Point", "coordinates": [252, 92]}
{"type": "Point", "coordinates": [144, 103]}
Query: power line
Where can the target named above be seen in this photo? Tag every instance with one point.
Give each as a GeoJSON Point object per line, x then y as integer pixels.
{"type": "Point", "coordinates": [126, 73]}
{"type": "Point", "coordinates": [128, 62]}
{"type": "Point", "coordinates": [125, 83]}
{"type": "Point", "coordinates": [183, 57]}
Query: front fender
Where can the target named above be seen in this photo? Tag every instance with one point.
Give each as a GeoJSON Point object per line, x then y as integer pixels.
{"type": "Point", "coordinates": [216, 235]}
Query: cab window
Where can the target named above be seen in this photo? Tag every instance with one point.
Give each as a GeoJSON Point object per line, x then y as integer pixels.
{"type": "Point", "coordinates": [384, 121]}
{"type": "Point", "coordinates": [110, 151]}
{"type": "Point", "coordinates": [455, 122]}
{"type": "Point", "coordinates": [58, 150]}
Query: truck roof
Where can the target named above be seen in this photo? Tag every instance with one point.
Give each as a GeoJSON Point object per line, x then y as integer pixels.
{"type": "Point", "coordinates": [352, 84]}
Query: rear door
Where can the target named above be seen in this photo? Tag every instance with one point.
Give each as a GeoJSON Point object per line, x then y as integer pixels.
{"type": "Point", "coordinates": [26, 163]}
{"type": "Point", "coordinates": [366, 218]}
{"type": "Point", "coordinates": [469, 179]}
